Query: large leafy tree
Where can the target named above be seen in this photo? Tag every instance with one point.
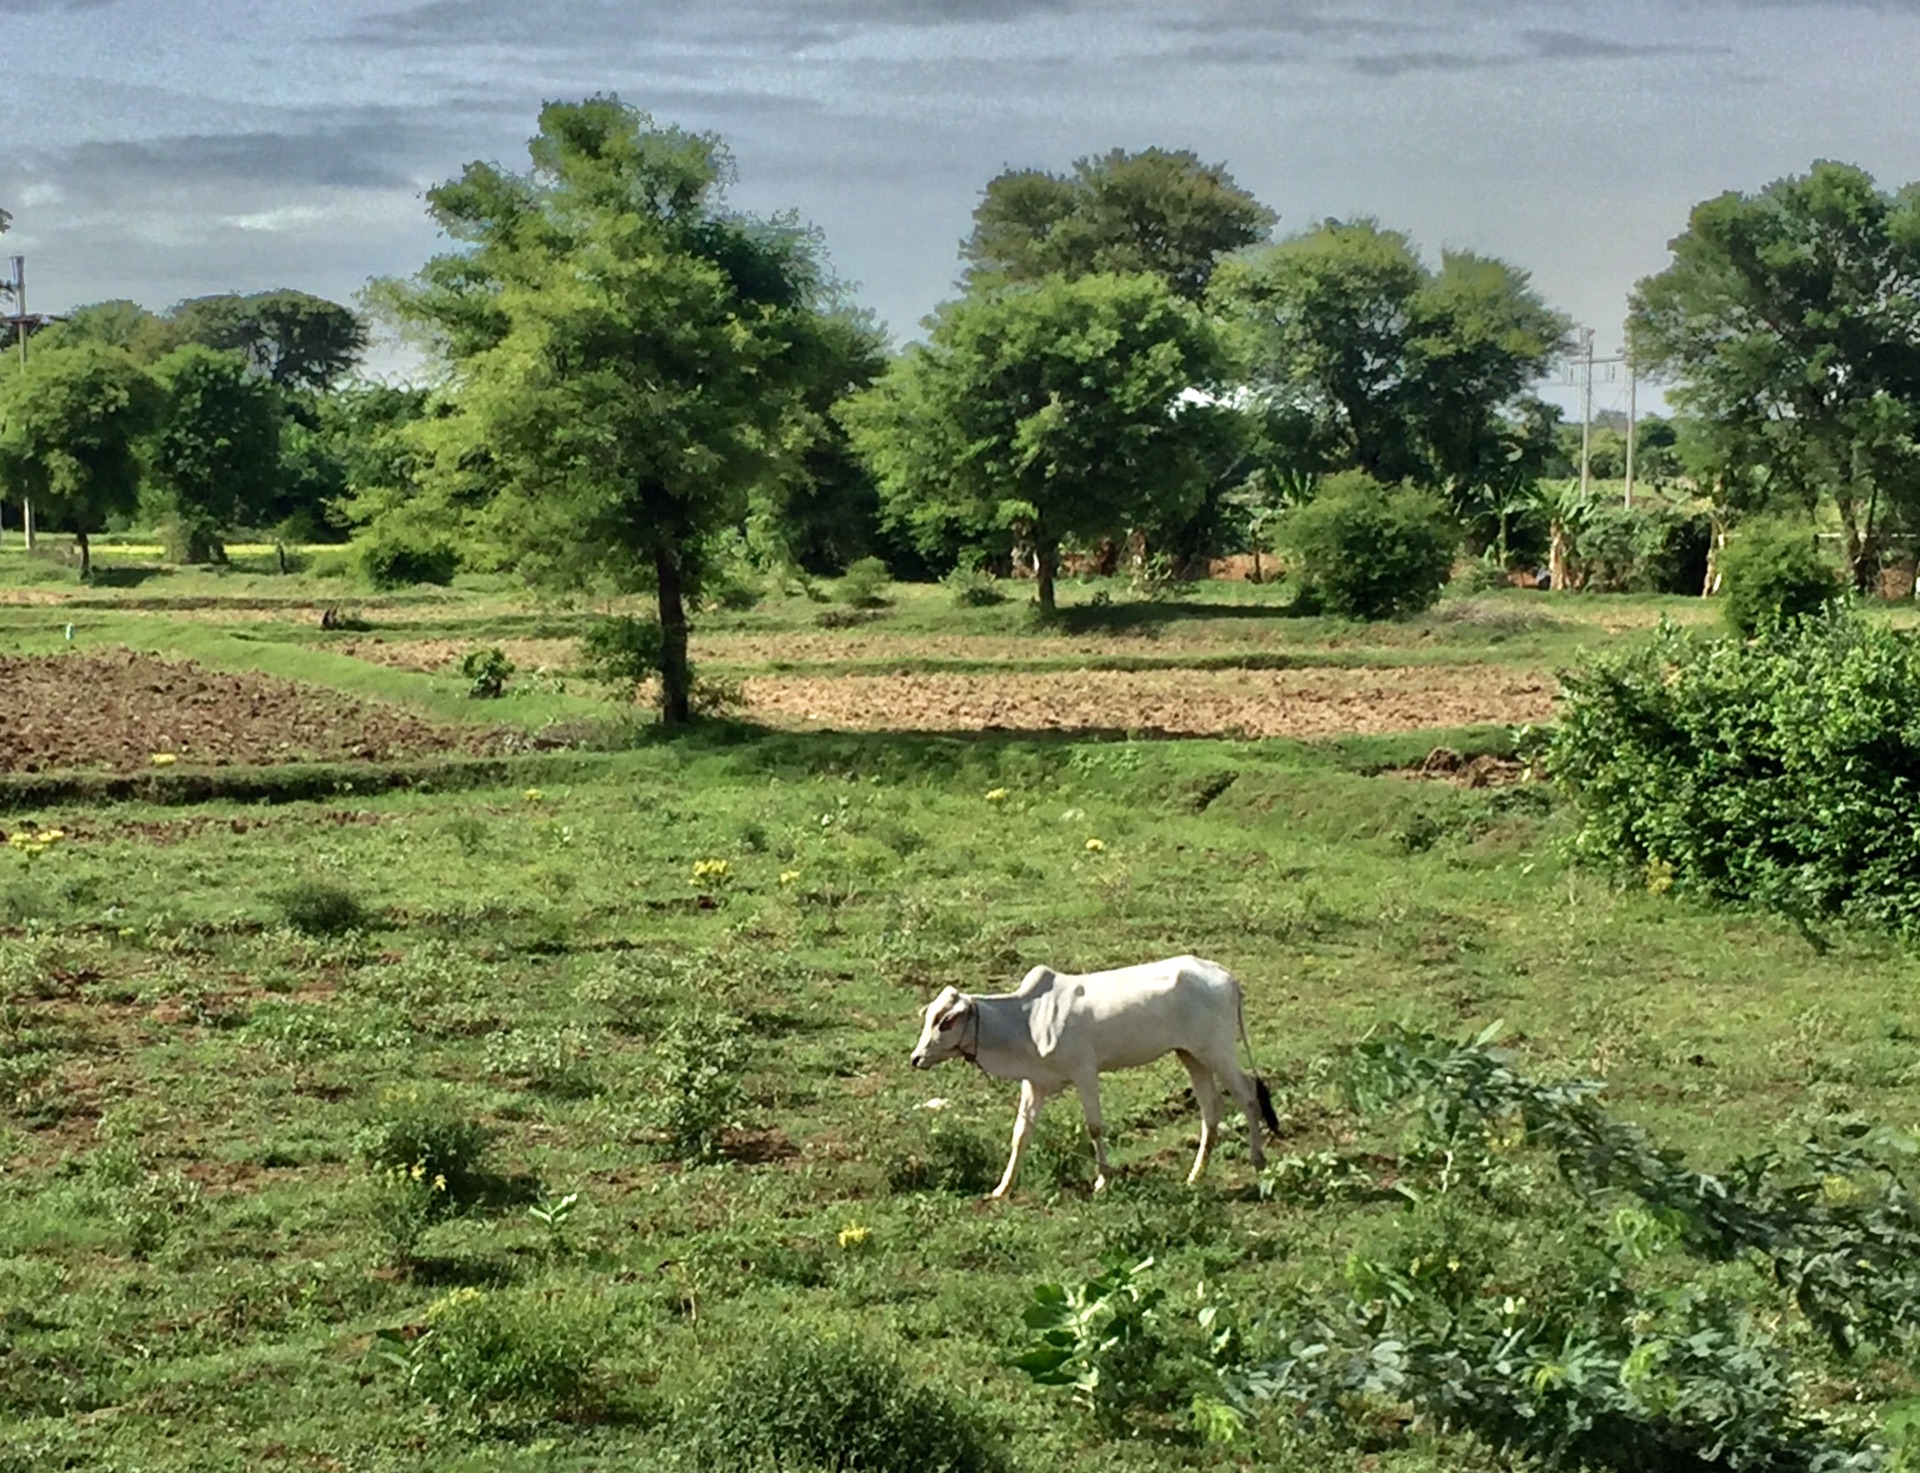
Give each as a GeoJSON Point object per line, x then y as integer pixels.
{"type": "Point", "coordinates": [297, 340]}
{"type": "Point", "coordinates": [215, 456]}
{"type": "Point", "coordinates": [1385, 364]}
{"type": "Point", "coordinates": [73, 421]}
{"type": "Point", "coordinates": [1074, 408]}
{"type": "Point", "coordinates": [622, 354]}
{"type": "Point", "coordinates": [1789, 321]}
{"type": "Point", "coordinates": [1159, 211]}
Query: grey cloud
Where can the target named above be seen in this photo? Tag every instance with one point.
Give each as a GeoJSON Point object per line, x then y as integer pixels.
{"type": "Point", "coordinates": [1572, 46]}
{"type": "Point", "coordinates": [565, 25]}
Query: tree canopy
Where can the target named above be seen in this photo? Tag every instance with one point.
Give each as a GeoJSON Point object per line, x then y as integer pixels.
{"type": "Point", "coordinates": [1158, 211]}
{"type": "Point", "coordinates": [623, 351]}
{"type": "Point", "coordinates": [215, 454]}
{"type": "Point", "coordinates": [1074, 408]}
{"type": "Point", "coordinates": [1789, 321]}
{"type": "Point", "coordinates": [1385, 365]}
{"type": "Point", "coordinates": [73, 419]}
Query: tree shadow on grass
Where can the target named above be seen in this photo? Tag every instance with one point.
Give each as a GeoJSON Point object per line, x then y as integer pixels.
{"type": "Point", "coordinates": [124, 575]}
{"type": "Point", "coordinates": [1129, 618]}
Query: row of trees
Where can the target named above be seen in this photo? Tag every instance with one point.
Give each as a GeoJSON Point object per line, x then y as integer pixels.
{"type": "Point", "coordinates": [225, 411]}
{"type": "Point", "coordinates": [636, 385]}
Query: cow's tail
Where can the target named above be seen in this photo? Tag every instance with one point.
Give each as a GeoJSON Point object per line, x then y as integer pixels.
{"type": "Point", "coordinates": [1260, 1089]}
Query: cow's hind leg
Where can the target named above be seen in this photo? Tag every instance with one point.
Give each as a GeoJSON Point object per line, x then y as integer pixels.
{"type": "Point", "coordinates": [1089, 1089]}
{"type": "Point", "coordinates": [1031, 1099]}
{"type": "Point", "coordinates": [1206, 1093]}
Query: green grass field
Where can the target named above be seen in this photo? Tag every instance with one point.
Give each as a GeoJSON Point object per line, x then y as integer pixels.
{"type": "Point", "coordinates": [214, 1016]}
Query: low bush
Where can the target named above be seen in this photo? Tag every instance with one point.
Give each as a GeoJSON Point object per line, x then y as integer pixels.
{"type": "Point", "coordinates": [973, 588]}
{"type": "Point", "coordinates": [508, 1355]}
{"type": "Point", "coordinates": [1360, 550]}
{"type": "Point", "coordinates": [1772, 573]}
{"type": "Point", "coordinates": [807, 1401]}
{"type": "Point", "coordinates": [1779, 772]}
{"type": "Point", "coordinates": [622, 651]}
{"type": "Point", "coordinates": [424, 1134]}
{"type": "Point", "coordinates": [1651, 549]}
{"type": "Point", "coordinates": [394, 559]}
{"type": "Point", "coordinates": [696, 1070]}
{"type": "Point", "coordinates": [864, 585]}
{"type": "Point", "coordinates": [317, 908]}
{"type": "Point", "coordinates": [486, 671]}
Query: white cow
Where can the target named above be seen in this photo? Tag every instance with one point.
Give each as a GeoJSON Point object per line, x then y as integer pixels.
{"type": "Point", "coordinates": [1056, 1030]}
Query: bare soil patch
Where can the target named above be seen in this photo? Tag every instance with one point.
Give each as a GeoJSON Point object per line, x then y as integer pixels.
{"type": "Point", "coordinates": [1306, 703]}
{"type": "Point", "coordinates": [443, 656]}
{"type": "Point", "coordinates": [117, 709]}
{"type": "Point", "coordinates": [1443, 764]}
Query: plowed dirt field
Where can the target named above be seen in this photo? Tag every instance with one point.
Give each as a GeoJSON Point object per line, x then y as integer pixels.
{"type": "Point", "coordinates": [1283, 703]}
{"type": "Point", "coordinates": [116, 710]}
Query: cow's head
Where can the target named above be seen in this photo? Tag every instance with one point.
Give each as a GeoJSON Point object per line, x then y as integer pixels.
{"type": "Point", "coordinates": [945, 1031]}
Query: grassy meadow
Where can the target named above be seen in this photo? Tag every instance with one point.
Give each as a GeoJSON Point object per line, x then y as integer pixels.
{"type": "Point", "coordinates": [589, 1070]}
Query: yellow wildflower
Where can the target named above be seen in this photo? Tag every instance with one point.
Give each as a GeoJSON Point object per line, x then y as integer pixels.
{"type": "Point", "coordinates": [997, 795]}
{"type": "Point", "coordinates": [533, 795]}
{"type": "Point", "coordinates": [1095, 846]}
{"type": "Point", "coordinates": [852, 1235]}
{"type": "Point", "coordinates": [164, 759]}
{"type": "Point", "coordinates": [711, 869]}
{"type": "Point", "coordinates": [439, 1181]}
{"type": "Point", "coordinates": [788, 876]}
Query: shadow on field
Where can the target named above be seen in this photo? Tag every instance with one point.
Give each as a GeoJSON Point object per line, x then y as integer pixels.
{"type": "Point", "coordinates": [1133, 617]}
{"type": "Point", "coordinates": [124, 575]}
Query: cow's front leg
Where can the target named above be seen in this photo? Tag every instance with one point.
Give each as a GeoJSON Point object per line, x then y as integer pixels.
{"type": "Point", "coordinates": [1031, 1099]}
{"type": "Point", "coordinates": [1089, 1088]}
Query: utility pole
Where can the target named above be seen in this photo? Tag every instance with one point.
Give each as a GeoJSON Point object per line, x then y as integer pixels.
{"type": "Point", "coordinates": [1633, 394]}
{"type": "Point", "coordinates": [1586, 412]}
{"type": "Point", "coordinates": [1579, 368]}
{"type": "Point", "coordinates": [17, 289]}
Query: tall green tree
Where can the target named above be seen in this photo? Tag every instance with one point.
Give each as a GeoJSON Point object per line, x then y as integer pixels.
{"type": "Point", "coordinates": [623, 358]}
{"type": "Point", "coordinates": [1074, 408]}
{"type": "Point", "coordinates": [1158, 211]}
{"type": "Point", "coordinates": [820, 509]}
{"type": "Point", "coordinates": [1789, 320]}
{"type": "Point", "coordinates": [72, 423]}
{"type": "Point", "coordinates": [297, 340]}
{"type": "Point", "coordinates": [1394, 368]}
{"type": "Point", "coordinates": [215, 456]}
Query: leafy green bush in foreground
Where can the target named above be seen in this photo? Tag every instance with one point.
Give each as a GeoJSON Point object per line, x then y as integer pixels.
{"type": "Point", "coordinates": [1782, 773]}
{"type": "Point", "coordinates": [807, 1401]}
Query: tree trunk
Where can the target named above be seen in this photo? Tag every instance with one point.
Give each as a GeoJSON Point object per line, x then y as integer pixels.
{"type": "Point", "coordinates": [1046, 562]}
{"type": "Point", "coordinates": [676, 676]}
{"type": "Point", "coordinates": [86, 555]}
{"type": "Point", "coordinates": [1558, 563]}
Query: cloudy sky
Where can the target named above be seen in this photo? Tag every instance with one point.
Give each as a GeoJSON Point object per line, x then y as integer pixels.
{"type": "Point", "coordinates": [159, 149]}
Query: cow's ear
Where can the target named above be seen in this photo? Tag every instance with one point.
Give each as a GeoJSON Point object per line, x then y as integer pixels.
{"type": "Point", "coordinates": [953, 1016]}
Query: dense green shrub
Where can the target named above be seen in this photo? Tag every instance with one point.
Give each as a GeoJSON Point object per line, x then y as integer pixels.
{"type": "Point", "coordinates": [486, 671]}
{"type": "Point", "coordinates": [804, 1401]}
{"type": "Point", "coordinates": [1783, 772]}
{"type": "Point", "coordinates": [696, 1072]}
{"type": "Point", "coordinates": [1362, 551]}
{"type": "Point", "coordinates": [622, 651]}
{"type": "Point", "coordinates": [423, 1133]}
{"type": "Point", "coordinates": [1772, 573]}
{"type": "Point", "coordinates": [393, 559]}
{"type": "Point", "coordinates": [864, 585]}
{"type": "Point", "coordinates": [1649, 549]}
{"type": "Point", "coordinates": [318, 908]}
{"type": "Point", "coordinates": [973, 588]}
{"type": "Point", "coordinates": [503, 1355]}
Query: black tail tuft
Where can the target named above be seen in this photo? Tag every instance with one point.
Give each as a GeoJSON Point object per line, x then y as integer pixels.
{"type": "Point", "coordinates": [1266, 1104]}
